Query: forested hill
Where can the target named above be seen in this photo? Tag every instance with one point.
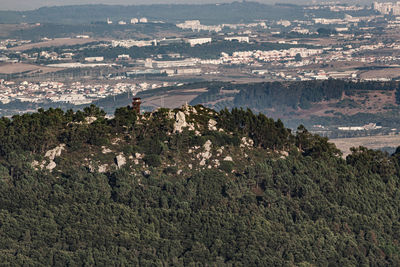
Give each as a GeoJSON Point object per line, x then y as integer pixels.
{"type": "Point", "coordinates": [190, 186]}
{"type": "Point", "coordinates": [208, 13]}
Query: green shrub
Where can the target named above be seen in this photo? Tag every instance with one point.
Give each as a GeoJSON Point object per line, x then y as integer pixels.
{"type": "Point", "coordinates": [152, 160]}
{"type": "Point", "coordinates": [226, 166]}
{"type": "Point", "coordinates": [171, 170]}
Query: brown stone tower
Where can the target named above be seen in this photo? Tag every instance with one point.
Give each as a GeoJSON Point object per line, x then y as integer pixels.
{"type": "Point", "coordinates": [136, 104]}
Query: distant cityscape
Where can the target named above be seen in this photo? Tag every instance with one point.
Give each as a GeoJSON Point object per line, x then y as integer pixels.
{"type": "Point", "coordinates": [353, 42]}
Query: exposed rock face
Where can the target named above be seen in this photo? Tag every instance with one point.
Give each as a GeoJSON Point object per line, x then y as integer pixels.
{"type": "Point", "coordinates": [284, 154]}
{"type": "Point", "coordinates": [188, 109]}
{"type": "Point", "coordinates": [103, 168]}
{"type": "Point", "coordinates": [105, 150]}
{"type": "Point", "coordinates": [207, 146]}
{"type": "Point", "coordinates": [35, 164]}
{"type": "Point", "coordinates": [180, 122]}
{"type": "Point", "coordinates": [246, 142]}
{"type": "Point", "coordinates": [212, 125]}
{"type": "Point", "coordinates": [90, 120]}
{"type": "Point", "coordinates": [206, 154]}
{"type": "Point", "coordinates": [55, 152]}
{"type": "Point", "coordinates": [216, 163]}
{"type": "Point", "coordinates": [228, 158]}
{"type": "Point", "coordinates": [51, 166]}
{"type": "Point", "coordinates": [121, 160]}
{"type": "Point", "coordinates": [51, 155]}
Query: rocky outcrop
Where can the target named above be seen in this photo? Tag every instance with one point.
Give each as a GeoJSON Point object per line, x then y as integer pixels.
{"type": "Point", "coordinates": [55, 152]}
{"type": "Point", "coordinates": [51, 166]}
{"type": "Point", "coordinates": [121, 160]}
{"type": "Point", "coordinates": [206, 154]}
{"type": "Point", "coordinates": [105, 150]}
{"type": "Point", "coordinates": [212, 125]}
{"type": "Point", "coordinates": [180, 123]}
{"type": "Point", "coordinates": [51, 155]}
{"type": "Point", "coordinates": [103, 168]}
{"type": "Point", "coordinates": [228, 158]}
{"type": "Point", "coordinates": [246, 142]}
{"type": "Point", "coordinates": [90, 120]}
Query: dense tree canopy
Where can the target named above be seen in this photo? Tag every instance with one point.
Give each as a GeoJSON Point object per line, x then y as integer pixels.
{"type": "Point", "coordinates": [289, 199]}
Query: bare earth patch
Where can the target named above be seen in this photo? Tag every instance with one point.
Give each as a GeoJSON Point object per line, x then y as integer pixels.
{"type": "Point", "coordinates": [372, 142]}
{"type": "Point", "coordinates": [11, 68]}
{"type": "Point", "coordinates": [172, 99]}
{"type": "Point", "coordinates": [55, 42]}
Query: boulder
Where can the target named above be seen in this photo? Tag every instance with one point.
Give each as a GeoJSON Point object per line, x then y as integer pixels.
{"type": "Point", "coordinates": [121, 160]}
{"type": "Point", "coordinates": [103, 168]}
{"type": "Point", "coordinates": [228, 158]}
{"type": "Point", "coordinates": [212, 125]}
{"type": "Point", "coordinates": [90, 120]}
{"type": "Point", "coordinates": [105, 150]}
{"type": "Point", "coordinates": [51, 166]}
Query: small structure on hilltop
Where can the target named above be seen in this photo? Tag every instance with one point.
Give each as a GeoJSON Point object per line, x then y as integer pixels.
{"type": "Point", "coordinates": [136, 104]}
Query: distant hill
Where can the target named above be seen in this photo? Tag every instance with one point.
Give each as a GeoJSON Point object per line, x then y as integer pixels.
{"type": "Point", "coordinates": [209, 13]}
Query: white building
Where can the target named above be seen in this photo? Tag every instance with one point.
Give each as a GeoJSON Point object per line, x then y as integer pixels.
{"type": "Point", "coordinates": [199, 41]}
{"type": "Point", "coordinates": [130, 43]}
{"type": "Point", "coordinates": [387, 8]}
{"type": "Point", "coordinates": [175, 63]}
{"type": "Point", "coordinates": [94, 59]}
{"type": "Point", "coordinates": [134, 21]}
{"type": "Point", "coordinates": [123, 57]}
{"type": "Point", "coordinates": [143, 20]}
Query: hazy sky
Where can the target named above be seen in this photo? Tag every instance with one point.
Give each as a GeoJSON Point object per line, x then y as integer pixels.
{"type": "Point", "coordinates": [33, 4]}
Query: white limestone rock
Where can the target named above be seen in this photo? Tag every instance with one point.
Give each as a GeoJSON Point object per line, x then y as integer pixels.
{"type": "Point", "coordinates": [212, 125]}
{"type": "Point", "coordinates": [207, 146]}
{"type": "Point", "coordinates": [180, 122]}
{"type": "Point", "coordinates": [105, 150]}
{"type": "Point", "coordinates": [228, 158]}
{"type": "Point", "coordinates": [55, 152]}
{"type": "Point", "coordinates": [90, 120]}
{"type": "Point", "coordinates": [246, 142]}
{"type": "Point", "coordinates": [51, 166]}
{"type": "Point", "coordinates": [121, 160]}
{"type": "Point", "coordinates": [103, 168]}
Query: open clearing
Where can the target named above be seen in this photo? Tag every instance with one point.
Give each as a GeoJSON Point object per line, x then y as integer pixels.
{"type": "Point", "coordinates": [172, 99]}
{"type": "Point", "coordinates": [13, 68]}
{"type": "Point", "coordinates": [372, 142]}
{"type": "Point", "coordinates": [55, 42]}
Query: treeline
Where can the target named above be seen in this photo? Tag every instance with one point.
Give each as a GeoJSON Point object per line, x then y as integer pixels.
{"type": "Point", "coordinates": [211, 50]}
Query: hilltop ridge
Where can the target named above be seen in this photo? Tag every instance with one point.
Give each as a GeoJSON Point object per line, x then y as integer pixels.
{"type": "Point", "coordinates": [190, 186]}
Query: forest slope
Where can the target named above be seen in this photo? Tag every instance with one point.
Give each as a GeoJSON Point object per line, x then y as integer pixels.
{"type": "Point", "coordinates": [190, 186]}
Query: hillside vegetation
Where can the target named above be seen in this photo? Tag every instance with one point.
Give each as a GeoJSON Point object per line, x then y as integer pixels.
{"type": "Point", "coordinates": [190, 187]}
